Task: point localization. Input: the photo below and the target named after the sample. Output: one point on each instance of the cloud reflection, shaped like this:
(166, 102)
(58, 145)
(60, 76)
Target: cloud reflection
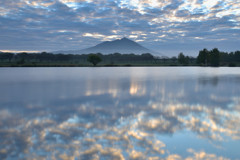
(123, 125)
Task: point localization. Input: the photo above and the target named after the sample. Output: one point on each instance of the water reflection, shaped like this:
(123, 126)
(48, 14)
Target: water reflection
(119, 113)
(212, 81)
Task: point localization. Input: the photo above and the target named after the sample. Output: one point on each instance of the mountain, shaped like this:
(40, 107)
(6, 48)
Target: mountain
(123, 46)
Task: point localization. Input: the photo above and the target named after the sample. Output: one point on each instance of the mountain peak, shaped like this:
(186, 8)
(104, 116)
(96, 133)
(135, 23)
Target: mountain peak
(124, 39)
(123, 46)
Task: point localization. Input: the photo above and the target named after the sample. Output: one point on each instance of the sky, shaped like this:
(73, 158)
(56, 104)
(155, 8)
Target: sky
(166, 26)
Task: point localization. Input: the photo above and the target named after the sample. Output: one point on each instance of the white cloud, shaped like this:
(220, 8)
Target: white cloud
(89, 20)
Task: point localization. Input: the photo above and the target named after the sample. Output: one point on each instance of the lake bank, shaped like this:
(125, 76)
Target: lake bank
(109, 65)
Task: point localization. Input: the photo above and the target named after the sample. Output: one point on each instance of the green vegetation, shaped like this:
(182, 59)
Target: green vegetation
(94, 59)
(215, 57)
(183, 60)
(211, 58)
(205, 57)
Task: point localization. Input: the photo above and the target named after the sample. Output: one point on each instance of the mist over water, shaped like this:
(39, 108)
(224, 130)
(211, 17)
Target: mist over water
(120, 113)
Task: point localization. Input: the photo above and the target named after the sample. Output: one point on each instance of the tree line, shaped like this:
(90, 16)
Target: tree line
(215, 57)
(84, 59)
(212, 57)
(205, 57)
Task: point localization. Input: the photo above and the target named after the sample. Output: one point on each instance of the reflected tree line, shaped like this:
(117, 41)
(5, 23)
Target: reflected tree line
(205, 57)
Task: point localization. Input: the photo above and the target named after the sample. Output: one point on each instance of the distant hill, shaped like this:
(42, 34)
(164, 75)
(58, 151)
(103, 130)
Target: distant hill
(123, 46)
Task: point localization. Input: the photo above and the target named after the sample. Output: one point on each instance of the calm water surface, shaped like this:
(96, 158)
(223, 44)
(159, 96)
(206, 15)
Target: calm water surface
(120, 113)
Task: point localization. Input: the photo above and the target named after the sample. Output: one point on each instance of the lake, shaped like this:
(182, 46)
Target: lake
(120, 113)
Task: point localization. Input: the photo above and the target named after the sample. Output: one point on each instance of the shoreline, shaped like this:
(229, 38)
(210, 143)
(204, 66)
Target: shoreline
(120, 65)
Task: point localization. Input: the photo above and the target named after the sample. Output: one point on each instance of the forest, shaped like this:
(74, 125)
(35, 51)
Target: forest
(205, 57)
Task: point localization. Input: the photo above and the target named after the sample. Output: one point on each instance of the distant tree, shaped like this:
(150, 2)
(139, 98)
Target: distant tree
(21, 61)
(181, 58)
(94, 59)
(22, 57)
(187, 59)
(174, 59)
(237, 56)
(62, 57)
(203, 57)
(146, 57)
(224, 58)
(46, 57)
(214, 57)
(6, 56)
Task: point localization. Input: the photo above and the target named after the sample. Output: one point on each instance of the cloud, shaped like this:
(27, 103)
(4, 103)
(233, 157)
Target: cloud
(122, 117)
(28, 25)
